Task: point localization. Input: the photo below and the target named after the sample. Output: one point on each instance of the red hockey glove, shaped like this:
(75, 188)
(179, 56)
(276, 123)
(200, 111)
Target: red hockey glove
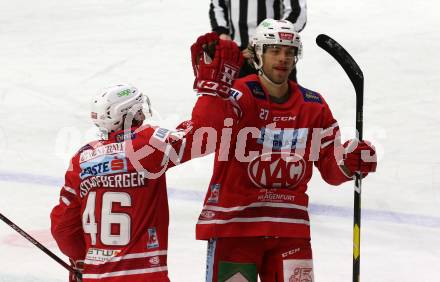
(215, 68)
(205, 44)
(360, 156)
(79, 266)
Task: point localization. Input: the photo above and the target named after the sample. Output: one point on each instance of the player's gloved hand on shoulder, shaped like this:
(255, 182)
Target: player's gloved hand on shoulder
(216, 64)
(79, 266)
(359, 156)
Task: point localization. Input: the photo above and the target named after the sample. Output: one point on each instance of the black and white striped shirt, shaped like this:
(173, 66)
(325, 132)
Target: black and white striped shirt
(239, 18)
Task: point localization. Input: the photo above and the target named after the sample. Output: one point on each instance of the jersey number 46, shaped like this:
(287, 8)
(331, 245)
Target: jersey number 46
(108, 218)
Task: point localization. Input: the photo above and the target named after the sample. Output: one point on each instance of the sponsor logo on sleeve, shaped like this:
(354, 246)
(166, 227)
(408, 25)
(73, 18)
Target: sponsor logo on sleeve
(235, 94)
(161, 134)
(153, 241)
(214, 193)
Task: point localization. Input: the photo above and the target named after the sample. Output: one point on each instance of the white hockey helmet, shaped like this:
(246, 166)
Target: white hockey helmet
(112, 104)
(274, 32)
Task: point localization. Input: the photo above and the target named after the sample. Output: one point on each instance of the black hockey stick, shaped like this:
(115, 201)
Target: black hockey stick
(356, 76)
(41, 247)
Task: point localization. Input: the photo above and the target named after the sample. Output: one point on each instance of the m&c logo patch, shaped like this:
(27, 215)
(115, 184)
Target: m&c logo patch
(277, 170)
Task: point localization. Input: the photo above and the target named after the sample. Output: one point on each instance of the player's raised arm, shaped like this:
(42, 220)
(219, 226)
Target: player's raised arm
(216, 64)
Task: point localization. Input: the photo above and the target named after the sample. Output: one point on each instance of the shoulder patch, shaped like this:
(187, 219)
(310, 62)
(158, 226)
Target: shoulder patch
(310, 96)
(161, 134)
(235, 94)
(256, 89)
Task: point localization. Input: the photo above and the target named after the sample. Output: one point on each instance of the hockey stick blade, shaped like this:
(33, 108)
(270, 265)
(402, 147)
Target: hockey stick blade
(349, 65)
(352, 70)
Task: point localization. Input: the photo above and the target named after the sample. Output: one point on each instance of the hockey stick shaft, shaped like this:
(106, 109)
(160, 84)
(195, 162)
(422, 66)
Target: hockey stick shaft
(356, 76)
(40, 246)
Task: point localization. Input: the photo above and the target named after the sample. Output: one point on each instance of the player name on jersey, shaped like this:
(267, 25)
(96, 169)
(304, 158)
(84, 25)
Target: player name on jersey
(123, 180)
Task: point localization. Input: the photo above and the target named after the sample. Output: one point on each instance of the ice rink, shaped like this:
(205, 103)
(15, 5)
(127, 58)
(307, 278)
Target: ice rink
(54, 55)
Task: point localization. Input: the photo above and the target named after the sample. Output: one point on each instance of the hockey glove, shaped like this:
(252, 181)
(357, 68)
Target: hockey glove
(79, 266)
(215, 69)
(360, 156)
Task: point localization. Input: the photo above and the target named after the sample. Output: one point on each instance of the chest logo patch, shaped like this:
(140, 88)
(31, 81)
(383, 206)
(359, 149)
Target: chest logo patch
(277, 170)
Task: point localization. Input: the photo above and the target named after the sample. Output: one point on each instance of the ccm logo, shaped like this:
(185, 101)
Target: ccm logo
(291, 252)
(284, 118)
(213, 86)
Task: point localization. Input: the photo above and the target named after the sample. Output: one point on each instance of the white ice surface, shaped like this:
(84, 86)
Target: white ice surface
(55, 54)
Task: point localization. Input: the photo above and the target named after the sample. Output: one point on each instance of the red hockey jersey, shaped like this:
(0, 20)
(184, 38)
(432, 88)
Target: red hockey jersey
(113, 209)
(264, 159)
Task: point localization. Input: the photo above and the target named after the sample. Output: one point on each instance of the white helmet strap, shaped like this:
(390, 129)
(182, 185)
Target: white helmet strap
(264, 76)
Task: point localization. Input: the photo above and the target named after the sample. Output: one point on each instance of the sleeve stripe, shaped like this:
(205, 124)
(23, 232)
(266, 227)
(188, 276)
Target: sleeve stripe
(330, 128)
(327, 144)
(65, 200)
(70, 190)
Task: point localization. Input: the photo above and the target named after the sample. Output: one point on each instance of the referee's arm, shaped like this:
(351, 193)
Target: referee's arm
(295, 11)
(219, 16)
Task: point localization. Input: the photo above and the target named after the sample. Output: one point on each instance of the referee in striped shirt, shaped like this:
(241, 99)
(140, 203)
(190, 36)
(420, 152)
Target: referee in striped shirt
(237, 20)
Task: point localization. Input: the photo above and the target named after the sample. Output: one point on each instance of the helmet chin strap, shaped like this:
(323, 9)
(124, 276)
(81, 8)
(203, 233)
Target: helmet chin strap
(259, 67)
(263, 75)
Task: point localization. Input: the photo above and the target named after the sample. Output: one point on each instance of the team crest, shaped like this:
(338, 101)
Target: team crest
(277, 170)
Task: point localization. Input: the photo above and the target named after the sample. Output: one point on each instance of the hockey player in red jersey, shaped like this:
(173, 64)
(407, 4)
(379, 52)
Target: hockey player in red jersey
(112, 217)
(270, 134)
